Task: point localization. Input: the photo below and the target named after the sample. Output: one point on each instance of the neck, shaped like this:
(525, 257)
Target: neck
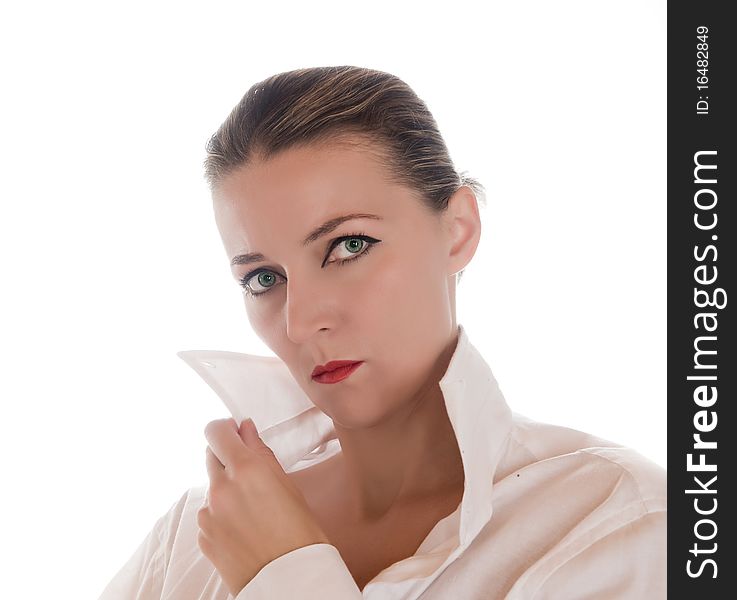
(410, 457)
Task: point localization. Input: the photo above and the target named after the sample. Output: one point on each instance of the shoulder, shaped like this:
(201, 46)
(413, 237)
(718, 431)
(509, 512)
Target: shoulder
(538, 446)
(184, 563)
(172, 520)
(648, 479)
(179, 524)
(601, 506)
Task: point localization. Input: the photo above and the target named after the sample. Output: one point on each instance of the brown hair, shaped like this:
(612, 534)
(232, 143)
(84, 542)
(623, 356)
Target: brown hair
(343, 103)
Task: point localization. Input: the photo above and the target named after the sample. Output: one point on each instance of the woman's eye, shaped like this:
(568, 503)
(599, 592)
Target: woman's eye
(349, 249)
(259, 282)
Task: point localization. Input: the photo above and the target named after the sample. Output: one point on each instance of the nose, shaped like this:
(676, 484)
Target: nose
(308, 309)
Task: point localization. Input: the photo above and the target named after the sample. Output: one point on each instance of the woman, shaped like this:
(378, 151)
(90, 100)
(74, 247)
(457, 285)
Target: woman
(392, 467)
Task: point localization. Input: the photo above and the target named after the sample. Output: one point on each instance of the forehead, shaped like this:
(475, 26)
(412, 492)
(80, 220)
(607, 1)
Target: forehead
(304, 174)
(302, 187)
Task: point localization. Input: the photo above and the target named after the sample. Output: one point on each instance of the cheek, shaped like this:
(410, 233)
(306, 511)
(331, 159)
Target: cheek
(413, 273)
(381, 287)
(403, 291)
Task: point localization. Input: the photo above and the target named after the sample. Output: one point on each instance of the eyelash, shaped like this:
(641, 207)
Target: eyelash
(371, 242)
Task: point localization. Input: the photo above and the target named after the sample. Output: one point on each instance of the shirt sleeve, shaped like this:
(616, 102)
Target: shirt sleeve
(142, 576)
(628, 563)
(315, 572)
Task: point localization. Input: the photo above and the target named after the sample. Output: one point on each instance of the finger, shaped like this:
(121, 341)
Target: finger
(215, 468)
(222, 437)
(250, 436)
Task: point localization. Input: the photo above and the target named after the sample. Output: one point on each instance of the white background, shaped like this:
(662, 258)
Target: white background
(111, 261)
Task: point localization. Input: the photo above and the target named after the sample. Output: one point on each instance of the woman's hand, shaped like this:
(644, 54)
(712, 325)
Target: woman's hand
(253, 513)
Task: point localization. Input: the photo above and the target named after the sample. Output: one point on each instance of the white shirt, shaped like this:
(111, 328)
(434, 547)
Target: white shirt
(547, 512)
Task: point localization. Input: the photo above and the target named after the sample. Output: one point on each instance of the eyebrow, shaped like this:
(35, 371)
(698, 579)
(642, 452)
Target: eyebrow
(315, 234)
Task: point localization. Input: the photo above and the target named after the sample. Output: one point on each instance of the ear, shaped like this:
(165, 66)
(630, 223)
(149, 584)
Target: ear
(463, 227)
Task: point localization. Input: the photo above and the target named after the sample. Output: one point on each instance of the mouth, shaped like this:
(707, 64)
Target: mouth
(335, 371)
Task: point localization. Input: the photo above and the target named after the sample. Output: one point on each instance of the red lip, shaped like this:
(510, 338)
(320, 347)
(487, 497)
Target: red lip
(331, 366)
(335, 371)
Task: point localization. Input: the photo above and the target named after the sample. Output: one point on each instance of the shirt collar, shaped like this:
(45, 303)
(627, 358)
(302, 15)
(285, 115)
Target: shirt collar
(262, 388)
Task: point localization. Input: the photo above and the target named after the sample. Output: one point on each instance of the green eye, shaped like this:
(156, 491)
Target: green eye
(266, 278)
(356, 245)
(261, 279)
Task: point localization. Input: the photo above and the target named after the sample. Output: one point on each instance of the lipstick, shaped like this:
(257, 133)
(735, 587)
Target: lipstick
(335, 371)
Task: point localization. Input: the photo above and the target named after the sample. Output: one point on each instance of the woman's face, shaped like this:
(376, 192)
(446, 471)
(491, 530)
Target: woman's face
(389, 304)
